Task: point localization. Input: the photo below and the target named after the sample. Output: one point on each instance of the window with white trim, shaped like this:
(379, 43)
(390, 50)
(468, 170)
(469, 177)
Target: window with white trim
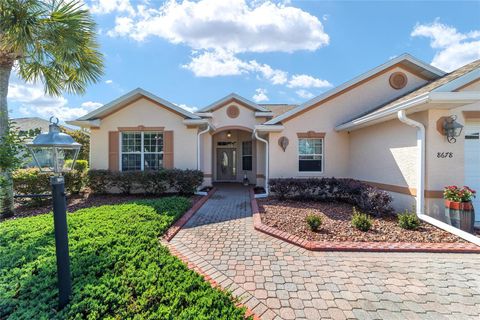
(310, 154)
(141, 151)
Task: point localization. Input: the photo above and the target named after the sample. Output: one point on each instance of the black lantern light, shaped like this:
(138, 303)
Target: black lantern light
(57, 152)
(452, 129)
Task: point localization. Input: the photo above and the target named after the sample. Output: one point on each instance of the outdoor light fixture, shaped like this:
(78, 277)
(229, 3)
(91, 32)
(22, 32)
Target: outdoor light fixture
(229, 134)
(50, 151)
(452, 129)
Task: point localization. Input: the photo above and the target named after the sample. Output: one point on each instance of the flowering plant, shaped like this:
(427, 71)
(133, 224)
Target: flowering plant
(456, 194)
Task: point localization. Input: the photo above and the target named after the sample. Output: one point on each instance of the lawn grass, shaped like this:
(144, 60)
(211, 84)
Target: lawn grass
(119, 268)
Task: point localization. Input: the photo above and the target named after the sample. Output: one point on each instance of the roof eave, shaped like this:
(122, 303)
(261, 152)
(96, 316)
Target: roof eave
(355, 80)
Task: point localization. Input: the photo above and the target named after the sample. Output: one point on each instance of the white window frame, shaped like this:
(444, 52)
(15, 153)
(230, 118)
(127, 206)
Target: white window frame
(142, 150)
(322, 156)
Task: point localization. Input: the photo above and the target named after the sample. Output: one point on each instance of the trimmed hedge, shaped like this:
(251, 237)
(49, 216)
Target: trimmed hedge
(365, 197)
(119, 268)
(32, 181)
(148, 182)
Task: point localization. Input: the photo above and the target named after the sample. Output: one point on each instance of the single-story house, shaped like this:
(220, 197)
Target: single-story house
(385, 127)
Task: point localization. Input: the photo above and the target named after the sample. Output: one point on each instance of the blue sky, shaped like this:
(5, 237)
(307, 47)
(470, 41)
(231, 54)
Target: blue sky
(195, 52)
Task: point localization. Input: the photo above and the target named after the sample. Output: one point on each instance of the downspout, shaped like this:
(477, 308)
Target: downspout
(198, 144)
(420, 199)
(255, 133)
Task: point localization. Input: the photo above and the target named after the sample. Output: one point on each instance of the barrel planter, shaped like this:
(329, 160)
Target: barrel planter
(461, 214)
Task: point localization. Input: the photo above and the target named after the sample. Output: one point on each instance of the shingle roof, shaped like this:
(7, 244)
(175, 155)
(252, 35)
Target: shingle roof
(422, 90)
(26, 124)
(278, 109)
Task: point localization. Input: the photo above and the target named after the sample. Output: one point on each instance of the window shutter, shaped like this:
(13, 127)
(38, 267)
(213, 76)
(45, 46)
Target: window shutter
(113, 145)
(168, 149)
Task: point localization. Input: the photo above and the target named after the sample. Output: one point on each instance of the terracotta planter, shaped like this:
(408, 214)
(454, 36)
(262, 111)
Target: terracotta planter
(460, 214)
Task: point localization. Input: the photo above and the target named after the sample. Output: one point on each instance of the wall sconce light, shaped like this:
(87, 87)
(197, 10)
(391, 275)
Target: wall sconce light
(229, 134)
(283, 143)
(452, 129)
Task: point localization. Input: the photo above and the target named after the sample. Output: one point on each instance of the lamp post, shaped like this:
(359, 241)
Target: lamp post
(50, 150)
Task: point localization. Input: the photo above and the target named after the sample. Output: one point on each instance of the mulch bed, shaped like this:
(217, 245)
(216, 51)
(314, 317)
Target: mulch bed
(80, 201)
(289, 216)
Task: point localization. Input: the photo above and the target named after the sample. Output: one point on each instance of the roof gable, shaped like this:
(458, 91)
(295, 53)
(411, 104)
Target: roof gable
(405, 61)
(450, 82)
(233, 97)
(131, 97)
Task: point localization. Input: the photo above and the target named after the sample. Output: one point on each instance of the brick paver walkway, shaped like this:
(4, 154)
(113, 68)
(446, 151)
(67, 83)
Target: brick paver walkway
(282, 281)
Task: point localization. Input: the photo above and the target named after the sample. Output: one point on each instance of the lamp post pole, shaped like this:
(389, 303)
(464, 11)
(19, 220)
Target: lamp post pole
(52, 149)
(61, 240)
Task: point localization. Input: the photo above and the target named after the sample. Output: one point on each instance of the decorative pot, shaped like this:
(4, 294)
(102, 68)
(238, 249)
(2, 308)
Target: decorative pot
(461, 214)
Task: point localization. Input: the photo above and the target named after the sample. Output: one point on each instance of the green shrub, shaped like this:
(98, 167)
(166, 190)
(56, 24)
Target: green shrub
(124, 181)
(149, 182)
(408, 220)
(361, 221)
(32, 181)
(314, 221)
(119, 268)
(98, 181)
(359, 194)
(80, 165)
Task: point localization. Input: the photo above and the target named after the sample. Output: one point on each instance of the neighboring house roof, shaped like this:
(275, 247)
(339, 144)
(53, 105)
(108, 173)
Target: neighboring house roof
(279, 109)
(406, 61)
(130, 97)
(32, 123)
(232, 97)
(467, 73)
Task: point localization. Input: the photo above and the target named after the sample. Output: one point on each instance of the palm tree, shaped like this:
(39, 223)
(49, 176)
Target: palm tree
(52, 41)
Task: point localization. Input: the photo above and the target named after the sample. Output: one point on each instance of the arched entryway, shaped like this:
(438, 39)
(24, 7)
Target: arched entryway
(234, 155)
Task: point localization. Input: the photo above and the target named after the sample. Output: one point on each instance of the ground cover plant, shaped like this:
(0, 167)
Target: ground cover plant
(119, 268)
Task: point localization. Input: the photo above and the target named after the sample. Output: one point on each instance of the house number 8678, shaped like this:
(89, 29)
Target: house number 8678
(444, 155)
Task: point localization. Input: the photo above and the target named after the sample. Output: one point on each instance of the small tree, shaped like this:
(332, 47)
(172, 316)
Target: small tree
(83, 138)
(12, 155)
(52, 41)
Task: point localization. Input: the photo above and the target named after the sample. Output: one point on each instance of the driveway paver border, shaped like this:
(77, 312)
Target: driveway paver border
(356, 246)
(173, 230)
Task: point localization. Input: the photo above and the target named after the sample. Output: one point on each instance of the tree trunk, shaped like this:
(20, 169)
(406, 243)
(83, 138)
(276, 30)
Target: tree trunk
(6, 183)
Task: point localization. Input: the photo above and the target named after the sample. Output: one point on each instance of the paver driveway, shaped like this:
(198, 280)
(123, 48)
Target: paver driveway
(279, 280)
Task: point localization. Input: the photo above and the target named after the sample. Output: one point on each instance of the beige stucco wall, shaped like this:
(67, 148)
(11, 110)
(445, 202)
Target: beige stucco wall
(146, 113)
(445, 171)
(384, 153)
(324, 118)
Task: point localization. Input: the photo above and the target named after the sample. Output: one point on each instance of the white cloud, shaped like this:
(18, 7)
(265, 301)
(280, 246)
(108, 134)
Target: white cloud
(233, 25)
(260, 95)
(216, 63)
(306, 81)
(91, 105)
(33, 101)
(223, 63)
(304, 94)
(188, 108)
(453, 48)
(109, 6)
(109, 81)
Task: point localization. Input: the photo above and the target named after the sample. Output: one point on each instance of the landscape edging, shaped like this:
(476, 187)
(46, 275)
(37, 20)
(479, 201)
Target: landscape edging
(357, 246)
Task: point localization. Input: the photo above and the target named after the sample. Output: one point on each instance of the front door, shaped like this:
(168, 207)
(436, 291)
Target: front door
(472, 164)
(226, 164)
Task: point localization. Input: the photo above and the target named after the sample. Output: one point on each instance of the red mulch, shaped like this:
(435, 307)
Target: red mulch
(289, 216)
(80, 201)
